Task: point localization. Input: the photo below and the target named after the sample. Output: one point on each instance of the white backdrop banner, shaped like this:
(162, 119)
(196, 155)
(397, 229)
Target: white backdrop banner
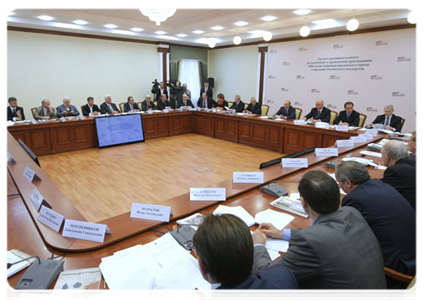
(371, 70)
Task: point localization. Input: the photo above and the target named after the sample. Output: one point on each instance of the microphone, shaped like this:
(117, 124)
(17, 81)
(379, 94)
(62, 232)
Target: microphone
(17, 262)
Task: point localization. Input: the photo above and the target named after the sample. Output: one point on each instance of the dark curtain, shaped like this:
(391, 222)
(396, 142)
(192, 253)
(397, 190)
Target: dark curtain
(174, 70)
(203, 72)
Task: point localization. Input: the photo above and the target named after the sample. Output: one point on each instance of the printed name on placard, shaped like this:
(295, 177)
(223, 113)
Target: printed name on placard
(248, 177)
(207, 194)
(151, 212)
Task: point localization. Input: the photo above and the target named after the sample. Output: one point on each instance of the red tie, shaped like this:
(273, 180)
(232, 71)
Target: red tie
(205, 103)
(148, 105)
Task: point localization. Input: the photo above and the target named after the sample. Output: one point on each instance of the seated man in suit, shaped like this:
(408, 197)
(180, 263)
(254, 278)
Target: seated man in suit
(225, 254)
(90, 109)
(389, 215)
(205, 102)
(186, 91)
(107, 107)
(66, 109)
(185, 102)
(159, 90)
(14, 112)
(412, 144)
(389, 120)
(286, 111)
(401, 170)
(238, 105)
(45, 111)
(221, 102)
(130, 105)
(206, 89)
(348, 116)
(254, 107)
(147, 103)
(318, 113)
(163, 102)
(338, 250)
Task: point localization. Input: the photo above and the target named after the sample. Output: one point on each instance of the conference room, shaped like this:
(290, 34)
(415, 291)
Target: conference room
(139, 139)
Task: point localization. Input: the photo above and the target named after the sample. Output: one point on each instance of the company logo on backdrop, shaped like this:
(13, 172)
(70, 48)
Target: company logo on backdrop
(403, 58)
(300, 77)
(352, 92)
(285, 63)
(338, 46)
(333, 77)
(371, 109)
(331, 106)
(381, 43)
(273, 51)
(397, 94)
(271, 77)
(284, 89)
(376, 77)
(301, 49)
(298, 103)
(315, 91)
(269, 101)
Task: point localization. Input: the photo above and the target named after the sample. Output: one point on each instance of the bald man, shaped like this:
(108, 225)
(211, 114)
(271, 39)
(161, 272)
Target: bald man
(318, 113)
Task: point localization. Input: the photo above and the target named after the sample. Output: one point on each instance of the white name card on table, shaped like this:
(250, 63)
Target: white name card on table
(299, 122)
(373, 132)
(323, 125)
(207, 194)
(358, 139)
(326, 152)
(366, 136)
(344, 143)
(50, 218)
(294, 162)
(37, 200)
(33, 121)
(248, 177)
(85, 230)
(341, 127)
(151, 212)
(30, 174)
(10, 159)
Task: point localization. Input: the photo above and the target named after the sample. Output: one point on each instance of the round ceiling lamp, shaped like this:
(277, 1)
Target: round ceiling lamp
(237, 40)
(158, 15)
(267, 36)
(412, 18)
(352, 24)
(305, 31)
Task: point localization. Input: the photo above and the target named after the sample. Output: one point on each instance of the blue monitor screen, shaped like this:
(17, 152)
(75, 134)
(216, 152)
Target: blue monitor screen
(119, 130)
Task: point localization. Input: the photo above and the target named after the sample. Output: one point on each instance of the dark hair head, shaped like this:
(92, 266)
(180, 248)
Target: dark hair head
(129, 97)
(225, 246)
(11, 99)
(320, 191)
(353, 171)
(348, 103)
(90, 98)
(221, 96)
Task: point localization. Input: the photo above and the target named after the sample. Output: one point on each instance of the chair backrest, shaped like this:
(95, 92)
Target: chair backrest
(121, 106)
(230, 103)
(363, 118)
(333, 115)
(402, 123)
(298, 112)
(397, 275)
(139, 105)
(81, 108)
(155, 102)
(264, 109)
(246, 105)
(33, 112)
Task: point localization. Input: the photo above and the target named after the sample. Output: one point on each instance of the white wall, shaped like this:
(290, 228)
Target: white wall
(42, 66)
(235, 72)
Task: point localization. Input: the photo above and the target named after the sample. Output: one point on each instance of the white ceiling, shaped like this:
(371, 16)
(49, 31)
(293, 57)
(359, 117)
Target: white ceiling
(185, 21)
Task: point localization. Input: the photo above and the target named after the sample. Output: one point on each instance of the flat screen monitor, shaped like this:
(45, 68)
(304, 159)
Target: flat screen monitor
(30, 153)
(119, 130)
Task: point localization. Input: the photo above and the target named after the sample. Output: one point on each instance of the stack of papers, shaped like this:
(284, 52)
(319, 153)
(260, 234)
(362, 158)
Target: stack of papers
(290, 204)
(14, 256)
(79, 279)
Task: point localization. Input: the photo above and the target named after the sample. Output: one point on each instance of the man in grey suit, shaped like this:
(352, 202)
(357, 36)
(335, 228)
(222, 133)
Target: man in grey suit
(45, 111)
(338, 251)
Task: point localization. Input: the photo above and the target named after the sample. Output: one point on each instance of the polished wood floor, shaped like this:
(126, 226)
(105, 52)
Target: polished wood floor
(102, 183)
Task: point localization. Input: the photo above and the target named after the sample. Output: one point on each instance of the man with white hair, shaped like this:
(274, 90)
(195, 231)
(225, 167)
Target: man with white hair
(185, 102)
(108, 107)
(147, 103)
(401, 171)
(318, 113)
(66, 109)
(238, 105)
(254, 107)
(389, 120)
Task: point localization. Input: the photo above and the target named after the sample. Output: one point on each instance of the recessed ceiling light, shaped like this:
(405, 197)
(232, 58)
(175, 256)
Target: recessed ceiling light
(66, 25)
(324, 21)
(218, 28)
(198, 31)
(168, 37)
(111, 26)
(181, 35)
(241, 23)
(268, 18)
(45, 18)
(125, 32)
(80, 22)
(302, 12)
(12, 13)
(160, 32)
(137, 29)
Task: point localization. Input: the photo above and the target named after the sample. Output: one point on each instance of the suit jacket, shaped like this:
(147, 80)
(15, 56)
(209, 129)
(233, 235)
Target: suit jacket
(60, 109)
(339, 251)
(157, 92)
(256, 109)
(162, 105)
(144, 105)
(353, 120)
(392, 220)
(395, 121)
(127, 108)
(209, 92)
(188, 93)
(39, 113)
(289, 115)
(402, 177)
(324, 116)
(104, 108)
(86, 109)
(181, 103)
(210, 103)
(275, 277)
(240, 107)
(11, 115)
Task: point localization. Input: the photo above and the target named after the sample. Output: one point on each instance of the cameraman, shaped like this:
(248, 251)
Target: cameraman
(158, 89)
(176, 92)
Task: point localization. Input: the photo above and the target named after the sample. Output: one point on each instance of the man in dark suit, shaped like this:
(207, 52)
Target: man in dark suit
(338, 251)
(163, 102)
(225, 253)
(90, 109)
(348, 116)
(389, 215)
(389, 120)
(185, 102)
(130, 105)
(206, 89)
(238, 105)
(205, 102)
(401, 171)
(14, 112)
(108, 107)
(318, 113)
(147, 103)
(254, 107)
(159, 90)
(286, 111)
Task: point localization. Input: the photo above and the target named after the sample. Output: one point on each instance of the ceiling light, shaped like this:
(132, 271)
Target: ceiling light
(80, 22)
(125, 32)
(181, 35)
(212, 43)
(66, 25)
(45, 18)
(241, 23)
(304, 31)
(324, 21)
(237, 40)
(302, 12)
(168, 37)
(160, 32)
(137, 29)
(412, 18)
(198, 31)
(218, 28)
(12, 13)
(268, 18)
(352, 24)
(111, 26)
(267, 36)
(158, 15)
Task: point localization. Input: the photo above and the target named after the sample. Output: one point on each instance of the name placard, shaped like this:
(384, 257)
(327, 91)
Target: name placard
(85, 230)
(323, 125)
(358, 139)
(33, 121)
(10, 159)
(37, 200)
(372, 132)
(294, 162)
(326, 152)
(299, 122)
(344, 143)
(151, 212)
(30, 174)
(207, 194)
(248, 177)
(341, 127)
(50, 218)
(62, 119)
(366, 136)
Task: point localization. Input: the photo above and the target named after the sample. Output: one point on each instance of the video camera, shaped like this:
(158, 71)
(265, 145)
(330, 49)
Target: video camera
(171, 83)
(155, 82)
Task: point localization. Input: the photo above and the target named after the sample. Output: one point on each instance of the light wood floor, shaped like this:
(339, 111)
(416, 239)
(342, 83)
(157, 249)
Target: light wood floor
(102, 183)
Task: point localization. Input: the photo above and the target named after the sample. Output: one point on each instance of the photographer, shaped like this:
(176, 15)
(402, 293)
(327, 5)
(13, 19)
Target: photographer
(176, 92)
(158, 89)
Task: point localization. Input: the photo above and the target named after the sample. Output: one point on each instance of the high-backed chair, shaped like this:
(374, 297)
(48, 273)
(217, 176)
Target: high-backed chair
(402, 123)
(264, 109)
(298, 112)
(81, 109)
(363, 118)
(121, 106)
(155, 103)
(333, 115)
(230, 103)
(246, 105)
(33, 112)
(398, 276)
(139, 105)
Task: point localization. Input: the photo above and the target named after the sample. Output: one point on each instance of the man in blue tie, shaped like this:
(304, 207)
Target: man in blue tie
(348, 116)
(389, 120)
